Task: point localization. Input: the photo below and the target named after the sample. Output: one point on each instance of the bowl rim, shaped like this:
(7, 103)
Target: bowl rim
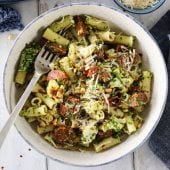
(140, 11)
(114, 9)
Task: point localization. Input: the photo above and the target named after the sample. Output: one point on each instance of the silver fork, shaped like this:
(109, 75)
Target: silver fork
(41, 65)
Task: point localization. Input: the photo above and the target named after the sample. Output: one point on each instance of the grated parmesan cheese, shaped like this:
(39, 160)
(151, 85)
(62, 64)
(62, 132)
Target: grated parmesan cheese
(139, 4)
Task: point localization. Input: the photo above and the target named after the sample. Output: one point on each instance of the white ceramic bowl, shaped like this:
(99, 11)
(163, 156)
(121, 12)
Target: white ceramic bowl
(152, 59)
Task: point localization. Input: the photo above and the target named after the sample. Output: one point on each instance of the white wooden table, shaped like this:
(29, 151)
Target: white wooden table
(16, 154)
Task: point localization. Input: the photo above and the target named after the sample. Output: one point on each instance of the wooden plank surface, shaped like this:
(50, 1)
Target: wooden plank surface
(28, 10)
(15, 146)
(124, 163)
(16, 154)
(146, 160)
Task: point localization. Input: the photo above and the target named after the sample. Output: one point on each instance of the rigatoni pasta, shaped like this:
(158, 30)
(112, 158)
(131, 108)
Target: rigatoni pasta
(96, 90)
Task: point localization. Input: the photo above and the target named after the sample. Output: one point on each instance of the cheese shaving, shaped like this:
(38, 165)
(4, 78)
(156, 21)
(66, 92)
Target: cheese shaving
(139, 4)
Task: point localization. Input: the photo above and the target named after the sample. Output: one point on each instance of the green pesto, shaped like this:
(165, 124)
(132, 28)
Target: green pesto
(27, 59)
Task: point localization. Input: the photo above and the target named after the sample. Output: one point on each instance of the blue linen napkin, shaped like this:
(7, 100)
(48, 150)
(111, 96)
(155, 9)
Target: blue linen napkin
(9, 19)
(160, 139)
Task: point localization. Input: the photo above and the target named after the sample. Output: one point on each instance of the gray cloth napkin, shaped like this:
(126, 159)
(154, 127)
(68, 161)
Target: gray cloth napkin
(160, 139)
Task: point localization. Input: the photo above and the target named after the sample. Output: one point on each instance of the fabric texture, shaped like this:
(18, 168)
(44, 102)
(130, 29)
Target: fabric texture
(9, 19)
(160, 139)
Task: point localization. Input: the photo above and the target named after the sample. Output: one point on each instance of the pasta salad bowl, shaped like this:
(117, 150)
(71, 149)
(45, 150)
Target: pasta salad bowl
(128, 29)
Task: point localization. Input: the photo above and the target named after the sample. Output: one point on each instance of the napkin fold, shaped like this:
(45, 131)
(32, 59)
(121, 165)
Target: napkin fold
(160, 139)
(9, 19)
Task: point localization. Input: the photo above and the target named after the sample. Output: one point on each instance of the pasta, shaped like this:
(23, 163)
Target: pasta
(96, 90)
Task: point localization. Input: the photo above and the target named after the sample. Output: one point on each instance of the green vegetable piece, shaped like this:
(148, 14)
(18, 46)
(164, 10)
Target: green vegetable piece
(97, 23)
(27, 58)
(106, 143)
(130, 125)
(125, 40)
(116, 112)
(89, 132)
(123, 80)
(113, 123)
(94, 109)
(63, 24)
(54, 37)
(146, 83)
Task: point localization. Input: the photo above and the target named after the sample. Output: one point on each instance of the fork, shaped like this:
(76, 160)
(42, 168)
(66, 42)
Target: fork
(44, 58)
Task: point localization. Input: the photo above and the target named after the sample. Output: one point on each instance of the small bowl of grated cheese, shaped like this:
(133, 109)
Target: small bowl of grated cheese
(140, 6)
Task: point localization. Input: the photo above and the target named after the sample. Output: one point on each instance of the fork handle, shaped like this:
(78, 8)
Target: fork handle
(17, 108)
